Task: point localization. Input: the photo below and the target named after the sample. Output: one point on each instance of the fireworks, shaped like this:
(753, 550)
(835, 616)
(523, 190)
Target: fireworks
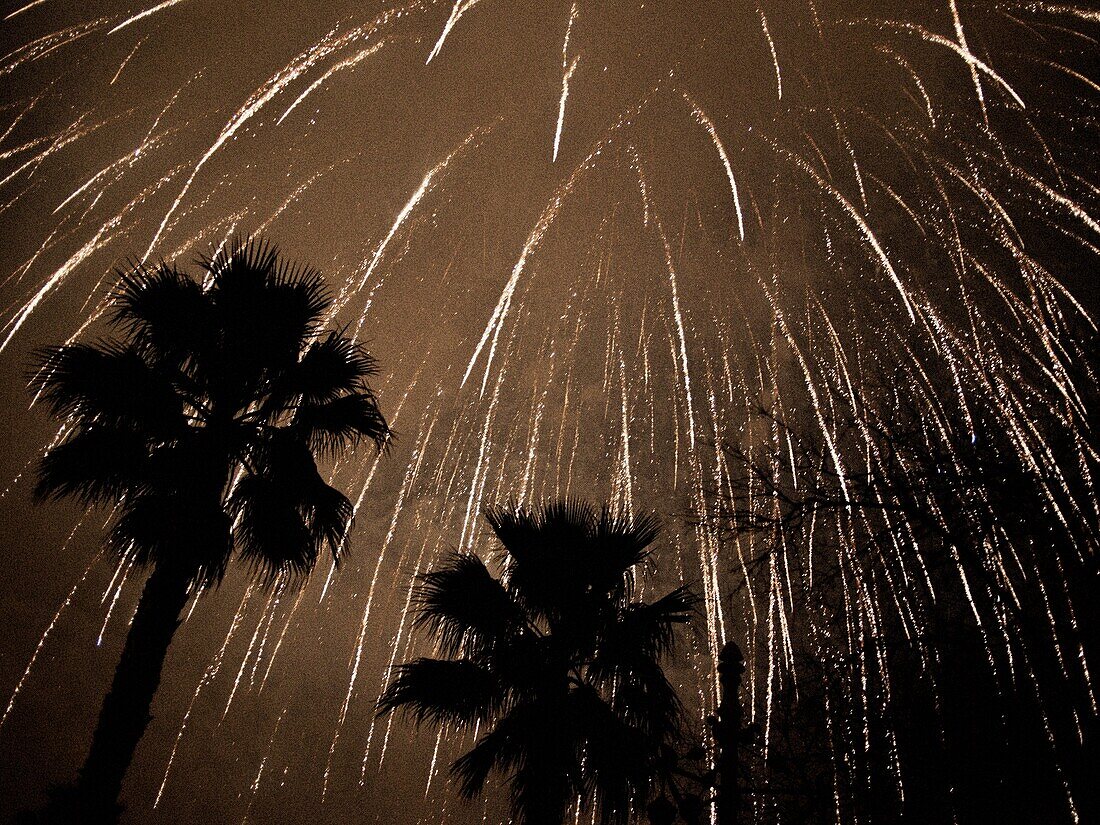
(586, 242)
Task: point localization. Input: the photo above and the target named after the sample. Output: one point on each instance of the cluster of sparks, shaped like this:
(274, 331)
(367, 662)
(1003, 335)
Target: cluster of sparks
(624, 344)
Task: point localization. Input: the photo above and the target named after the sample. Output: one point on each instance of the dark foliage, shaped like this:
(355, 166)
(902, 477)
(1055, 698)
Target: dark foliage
(200, 422)
(556, 657)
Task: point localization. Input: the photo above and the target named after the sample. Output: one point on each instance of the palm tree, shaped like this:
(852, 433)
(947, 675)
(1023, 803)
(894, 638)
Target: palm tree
(201, 422)
(554, 658)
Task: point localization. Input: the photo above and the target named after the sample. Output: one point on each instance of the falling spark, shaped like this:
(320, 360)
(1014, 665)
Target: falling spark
(42, 641)
(568, 67)
(708, 124)
(620, 365)
(460, 8)
(775, 57)
(159, 7)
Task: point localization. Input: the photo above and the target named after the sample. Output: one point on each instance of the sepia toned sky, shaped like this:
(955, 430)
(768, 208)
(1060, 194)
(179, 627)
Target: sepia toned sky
(582, 239)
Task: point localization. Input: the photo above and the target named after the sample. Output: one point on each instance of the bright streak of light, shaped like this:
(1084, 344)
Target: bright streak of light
(705, 121)
(159, 7)
(460, 8)
(42, 640)
(568, 67)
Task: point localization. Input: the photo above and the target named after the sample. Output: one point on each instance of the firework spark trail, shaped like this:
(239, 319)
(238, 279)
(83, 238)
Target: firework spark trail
(389, 669)
(496, 321)
(43, 46)
(568, 67)
(473, 501)
(124, 163)
(460, 8)
(864, 228)
(98, 241)
(75, 131)
(27, 7)
(643, 187)
(955, 180)
(278, 83)
(625, 480)
(293, 197)
(23, 147)
(26, 110)
(207, 678)
(45, 636)
(347, 63)
(810, 386)
(282, 635)
(775, 56)
(967, 56)
(272, 612)
(126, 566)
(681, 337)
(432, 770)
(534, 431)
(126, 60)
(707, 550)
(972, 62)
(255, 786)
(1058, 198)
(704, 120)
(159, 7)
(367, 481)
(426, 185)
(410, 475)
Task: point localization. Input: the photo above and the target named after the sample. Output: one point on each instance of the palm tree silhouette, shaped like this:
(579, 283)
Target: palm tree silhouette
(201, 421)
(555, 658)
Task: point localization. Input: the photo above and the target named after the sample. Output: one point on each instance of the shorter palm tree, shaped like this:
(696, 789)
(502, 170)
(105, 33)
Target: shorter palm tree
(554, 658)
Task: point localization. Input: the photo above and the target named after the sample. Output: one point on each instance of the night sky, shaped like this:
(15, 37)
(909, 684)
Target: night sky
(586, 243)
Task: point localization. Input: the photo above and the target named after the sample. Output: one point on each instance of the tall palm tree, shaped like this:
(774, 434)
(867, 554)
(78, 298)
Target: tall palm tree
(201, 421)
(554, 659)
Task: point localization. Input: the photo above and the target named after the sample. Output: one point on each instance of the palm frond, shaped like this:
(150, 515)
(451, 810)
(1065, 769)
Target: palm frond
(271, 534)
(530, 745)
(555, 527)
(328, 515)
(546, 564)
(284, 512)
(334, 365)
(641, 695)
(252, 282)
(163, 313)
(464, 606)
(242, 254)
(457, 692)
(266, 312)
(335, 425)
(647, 629)
(567, 559)
(331, 367)
(96, 465)
(110, 385)
(188, 532)
(493, 750)
(617, 758)
(618, 543)
(627, 661)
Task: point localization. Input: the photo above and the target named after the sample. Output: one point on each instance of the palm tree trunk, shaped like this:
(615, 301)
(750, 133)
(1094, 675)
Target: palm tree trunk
(125, 713)
(731, 666)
